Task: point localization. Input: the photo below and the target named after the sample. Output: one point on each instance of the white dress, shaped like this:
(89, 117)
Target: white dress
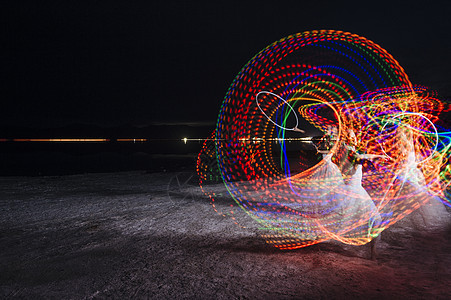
(328, 183)
(359, 211)
(321, 192)
(432, 212)
(411, 174)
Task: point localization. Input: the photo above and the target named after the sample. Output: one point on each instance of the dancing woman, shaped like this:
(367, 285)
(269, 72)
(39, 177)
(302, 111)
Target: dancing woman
(327, 180)
(359, 207)
(413, 184)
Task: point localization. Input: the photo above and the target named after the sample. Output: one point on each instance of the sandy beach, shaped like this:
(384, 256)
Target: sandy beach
(141, 235)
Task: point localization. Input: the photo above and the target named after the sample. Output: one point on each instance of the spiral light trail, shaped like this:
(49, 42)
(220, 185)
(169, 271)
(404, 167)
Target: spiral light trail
(329, 79)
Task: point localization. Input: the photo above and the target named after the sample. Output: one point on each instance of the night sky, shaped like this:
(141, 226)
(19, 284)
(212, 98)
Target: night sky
(111, 63)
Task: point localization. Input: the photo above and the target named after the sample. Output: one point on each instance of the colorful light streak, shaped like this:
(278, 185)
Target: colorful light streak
(333, 79)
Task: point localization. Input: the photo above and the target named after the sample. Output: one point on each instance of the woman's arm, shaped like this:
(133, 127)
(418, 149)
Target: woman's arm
(320, 151)
(369, 156)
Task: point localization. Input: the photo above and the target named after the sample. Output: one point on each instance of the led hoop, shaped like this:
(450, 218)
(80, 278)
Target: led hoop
(295, 128)
(416, 114)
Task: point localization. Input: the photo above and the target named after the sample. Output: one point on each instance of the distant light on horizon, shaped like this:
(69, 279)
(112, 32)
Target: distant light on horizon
(143, 140)
(132, 140)
(61, 140)
(79, 140)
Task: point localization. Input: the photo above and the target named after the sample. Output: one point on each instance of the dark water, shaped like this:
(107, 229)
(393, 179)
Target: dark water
(44, 158)
(62, 158)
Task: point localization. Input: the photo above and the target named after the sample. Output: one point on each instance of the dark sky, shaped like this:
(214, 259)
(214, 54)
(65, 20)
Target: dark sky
(143, 62)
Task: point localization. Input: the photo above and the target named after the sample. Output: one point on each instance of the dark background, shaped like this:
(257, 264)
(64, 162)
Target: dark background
(160, 69)
(115, 63)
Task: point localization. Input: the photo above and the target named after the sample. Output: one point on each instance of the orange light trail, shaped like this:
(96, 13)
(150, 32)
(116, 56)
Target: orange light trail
(333, 79)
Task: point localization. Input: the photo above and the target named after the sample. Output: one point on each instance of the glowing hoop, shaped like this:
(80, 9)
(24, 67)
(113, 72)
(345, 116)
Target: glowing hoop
(427, 119)
(295, 128)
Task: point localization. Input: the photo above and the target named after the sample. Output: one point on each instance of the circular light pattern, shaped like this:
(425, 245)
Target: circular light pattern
(381, 152)
(282, 116)
(396, 120)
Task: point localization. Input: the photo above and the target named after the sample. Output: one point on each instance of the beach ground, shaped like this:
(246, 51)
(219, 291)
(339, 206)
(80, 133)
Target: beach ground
(137, 235)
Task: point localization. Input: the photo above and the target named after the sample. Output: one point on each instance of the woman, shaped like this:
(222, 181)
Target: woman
(326, 181)
(413, 186)
(359, 209)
